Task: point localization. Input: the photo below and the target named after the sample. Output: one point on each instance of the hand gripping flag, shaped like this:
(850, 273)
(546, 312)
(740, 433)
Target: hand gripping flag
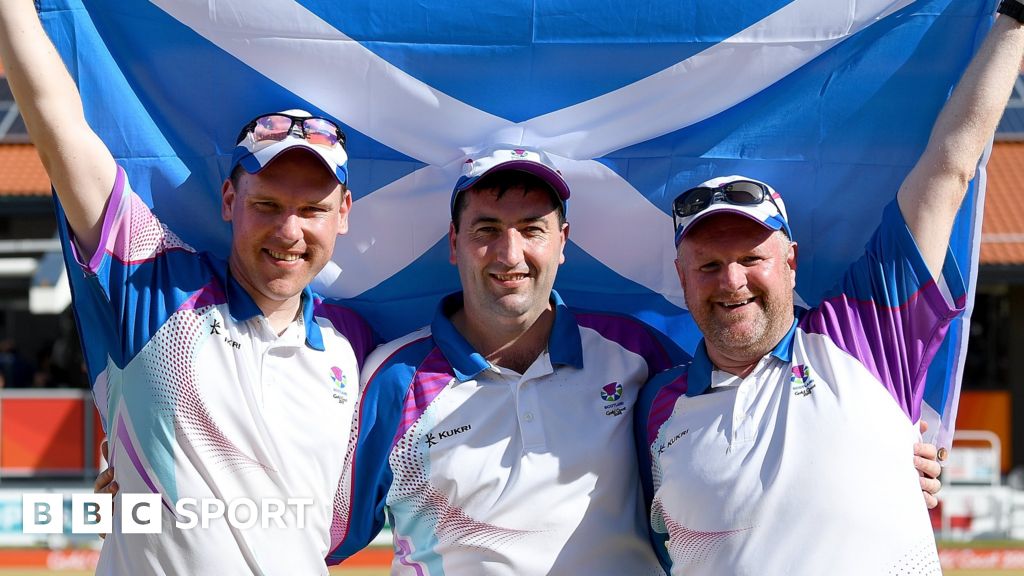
(831, 101)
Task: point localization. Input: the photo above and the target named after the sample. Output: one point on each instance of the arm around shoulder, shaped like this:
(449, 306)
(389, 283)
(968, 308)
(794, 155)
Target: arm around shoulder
(933, 191)
(79, 165)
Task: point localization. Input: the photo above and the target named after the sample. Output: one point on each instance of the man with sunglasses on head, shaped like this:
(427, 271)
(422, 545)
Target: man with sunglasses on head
(500, 439)
(223, 381)
(783, 447)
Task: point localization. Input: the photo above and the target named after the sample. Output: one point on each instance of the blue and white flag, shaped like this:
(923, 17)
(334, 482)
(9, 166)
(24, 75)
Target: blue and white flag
(831, 101)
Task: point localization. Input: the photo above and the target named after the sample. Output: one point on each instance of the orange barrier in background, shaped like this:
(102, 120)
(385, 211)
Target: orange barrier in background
(56, 560)
(988, 410)
(373, 557)
(380, 557)
(977, 559)
(43, 432)
(48, 433)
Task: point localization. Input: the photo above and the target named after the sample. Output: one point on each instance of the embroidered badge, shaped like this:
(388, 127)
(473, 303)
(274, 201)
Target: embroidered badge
(612, 393)
(340, 383)
(801, 381)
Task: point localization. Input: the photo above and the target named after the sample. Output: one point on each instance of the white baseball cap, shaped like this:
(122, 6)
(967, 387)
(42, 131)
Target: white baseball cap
(501, 157)
(734, 194)
(267, 136)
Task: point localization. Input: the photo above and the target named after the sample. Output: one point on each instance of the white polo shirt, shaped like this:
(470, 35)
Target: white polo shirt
(487, 471)
(806, 465)
(201, 399)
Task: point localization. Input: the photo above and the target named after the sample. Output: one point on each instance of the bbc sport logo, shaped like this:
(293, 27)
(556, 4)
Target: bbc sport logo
(43, 513)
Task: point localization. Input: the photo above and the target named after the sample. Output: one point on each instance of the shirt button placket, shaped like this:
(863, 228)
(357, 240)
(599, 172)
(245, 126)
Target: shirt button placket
(739, 411)
(531, 429)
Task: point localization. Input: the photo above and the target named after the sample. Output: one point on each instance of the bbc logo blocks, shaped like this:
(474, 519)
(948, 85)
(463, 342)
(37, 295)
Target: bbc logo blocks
(43, 513)
(90, 513)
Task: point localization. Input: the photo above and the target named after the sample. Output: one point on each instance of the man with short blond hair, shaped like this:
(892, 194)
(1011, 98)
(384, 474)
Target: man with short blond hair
(221, 380)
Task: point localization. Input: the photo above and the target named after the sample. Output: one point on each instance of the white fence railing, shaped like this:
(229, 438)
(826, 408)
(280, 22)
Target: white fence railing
(973, 502)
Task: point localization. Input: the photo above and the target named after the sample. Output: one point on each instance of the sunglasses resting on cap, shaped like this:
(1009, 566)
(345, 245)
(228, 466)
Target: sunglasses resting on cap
(751, 198)
(265, 137)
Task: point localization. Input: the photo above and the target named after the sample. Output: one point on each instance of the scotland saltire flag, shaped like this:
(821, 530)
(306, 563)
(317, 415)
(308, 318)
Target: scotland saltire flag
(830, 101)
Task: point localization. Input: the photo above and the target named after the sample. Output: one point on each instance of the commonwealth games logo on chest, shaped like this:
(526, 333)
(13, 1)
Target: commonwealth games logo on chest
(340, 382)
(801, 381)
(611, 392)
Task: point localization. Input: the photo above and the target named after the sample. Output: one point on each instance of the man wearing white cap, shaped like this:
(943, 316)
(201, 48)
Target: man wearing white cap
(500, 437)
(223, 380)
(783, 448)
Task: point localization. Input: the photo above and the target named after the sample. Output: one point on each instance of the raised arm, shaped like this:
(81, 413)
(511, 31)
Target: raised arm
(79, 165)
(931, 195)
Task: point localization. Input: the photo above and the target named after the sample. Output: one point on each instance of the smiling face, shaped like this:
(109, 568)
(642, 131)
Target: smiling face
(284, 220)
(738, 279)
(507, 248)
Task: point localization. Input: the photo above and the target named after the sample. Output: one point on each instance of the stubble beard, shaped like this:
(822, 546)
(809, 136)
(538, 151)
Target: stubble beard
(751, 339)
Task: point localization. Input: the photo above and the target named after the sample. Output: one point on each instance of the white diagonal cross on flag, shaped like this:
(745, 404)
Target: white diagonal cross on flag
(397, 223)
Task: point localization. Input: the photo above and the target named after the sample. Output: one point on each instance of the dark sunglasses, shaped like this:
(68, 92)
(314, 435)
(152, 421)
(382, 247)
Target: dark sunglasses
(277, 127)
(738, 193)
